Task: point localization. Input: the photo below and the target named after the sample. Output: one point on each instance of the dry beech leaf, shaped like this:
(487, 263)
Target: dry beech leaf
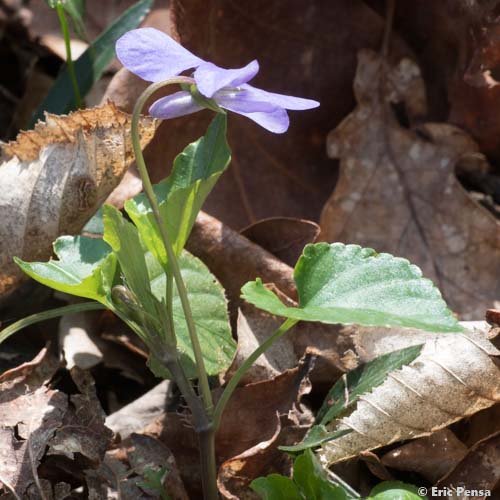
(398, 193)
(455, 376)
(56, 178)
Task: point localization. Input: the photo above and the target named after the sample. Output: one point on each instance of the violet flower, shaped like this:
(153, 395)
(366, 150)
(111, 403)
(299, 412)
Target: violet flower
(154, 56)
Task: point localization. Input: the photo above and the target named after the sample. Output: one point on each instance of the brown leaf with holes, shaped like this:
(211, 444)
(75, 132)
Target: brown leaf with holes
(30, 413)
(398, 193)
(56, 176)
(126, 466)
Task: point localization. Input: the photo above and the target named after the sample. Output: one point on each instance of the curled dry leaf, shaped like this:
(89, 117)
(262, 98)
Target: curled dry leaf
(479, 469)
(431, 456)
(455, 376)
(56, 176)
(398, 193)
(235, 260)
(142, 411)
(284, 237)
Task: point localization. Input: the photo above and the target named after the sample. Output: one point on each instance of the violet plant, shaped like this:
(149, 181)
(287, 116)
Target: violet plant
(141, 272)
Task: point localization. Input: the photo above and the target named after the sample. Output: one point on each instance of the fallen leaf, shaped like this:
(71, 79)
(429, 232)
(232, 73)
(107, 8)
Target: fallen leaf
(82, 430)
(328, 342)
(284, 237)
(270, 175)
(398, 193)
(125, 468)
(30, 414)
(142, 411)
(479, 469)
(57, 176)
(235, 260)
(259, 406)
(432, 456)
(455, 376)
(236, 473)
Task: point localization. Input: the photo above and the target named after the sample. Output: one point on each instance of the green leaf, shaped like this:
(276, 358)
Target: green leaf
(76, 11)
(44, 315)
(395, 490)
(86, 268)
(316, 436)
(95, 226)
(90, 66)
(209, 307)
(312, 481)
(123, 238)
(346, 392)
(276, 487)
(181, 195)
(347, 284)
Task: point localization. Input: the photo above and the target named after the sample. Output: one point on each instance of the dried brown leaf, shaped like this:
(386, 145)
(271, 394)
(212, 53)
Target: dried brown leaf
(398, 193)
(30, 413)
(330, 344)
(272, 175)
(479, 469)
(284, 237)
(456, 375)
(57, 177)
(123, 471)
(432, 456)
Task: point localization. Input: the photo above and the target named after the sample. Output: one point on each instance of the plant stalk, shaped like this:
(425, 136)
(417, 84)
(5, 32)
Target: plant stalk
(202, 411)
(69, 59)
(172, 260)
(233, 383)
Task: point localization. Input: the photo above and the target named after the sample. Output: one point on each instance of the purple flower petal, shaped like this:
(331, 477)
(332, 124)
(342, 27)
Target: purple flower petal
(281, 100)
(276, 121)
(210, 78)
(174, 105)
(241, 101)
(153, 55)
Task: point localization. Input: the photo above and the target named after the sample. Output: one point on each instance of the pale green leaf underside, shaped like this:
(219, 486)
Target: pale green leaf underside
(347, 284)
(209, 307)
(181, 195)
(85, 268)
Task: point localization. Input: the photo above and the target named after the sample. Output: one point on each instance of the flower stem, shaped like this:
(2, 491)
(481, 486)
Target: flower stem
(172, 260)
(69, 59)
(233, 383)
(202, 412)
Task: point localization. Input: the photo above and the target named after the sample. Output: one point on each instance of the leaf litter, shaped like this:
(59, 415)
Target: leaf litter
(218, 243)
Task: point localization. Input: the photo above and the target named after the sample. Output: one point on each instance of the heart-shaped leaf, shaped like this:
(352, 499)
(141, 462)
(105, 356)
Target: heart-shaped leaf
(209, 307)
(346, 284)
(86, 268)
(181, 195)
